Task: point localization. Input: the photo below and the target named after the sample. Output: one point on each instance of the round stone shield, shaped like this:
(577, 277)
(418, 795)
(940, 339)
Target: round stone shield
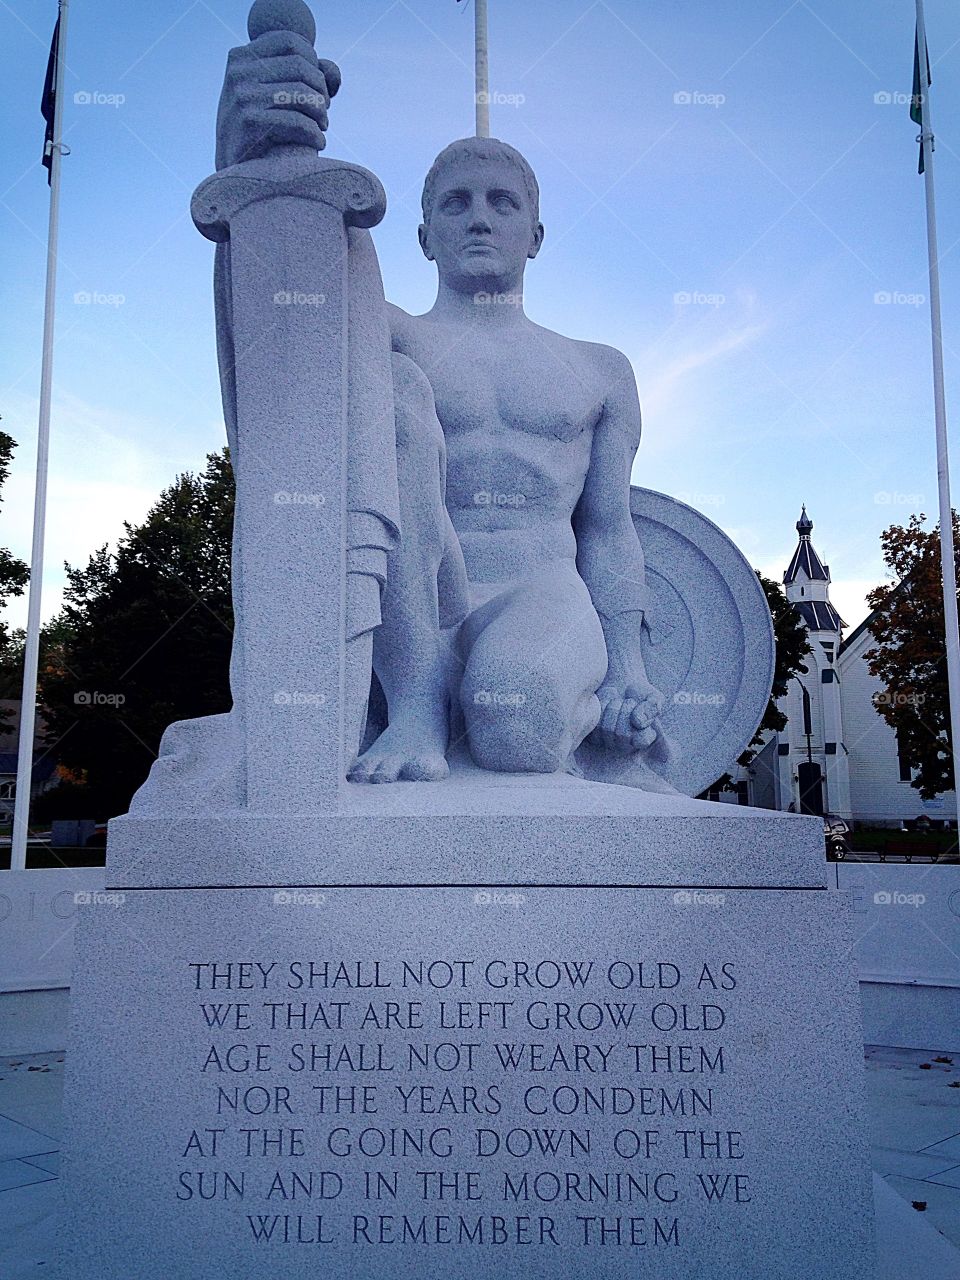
(708, 641)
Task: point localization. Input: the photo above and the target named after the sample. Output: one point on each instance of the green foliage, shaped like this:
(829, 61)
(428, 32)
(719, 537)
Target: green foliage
(143, 639)
(793, 646)
(909, 651)
(14, 575)
(11, 663)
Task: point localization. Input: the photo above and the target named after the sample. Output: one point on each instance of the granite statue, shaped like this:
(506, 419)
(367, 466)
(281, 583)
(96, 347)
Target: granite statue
(494, 587)
(444, 581)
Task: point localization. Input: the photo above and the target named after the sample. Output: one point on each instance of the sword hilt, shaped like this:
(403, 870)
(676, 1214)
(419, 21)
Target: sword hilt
(295, 17)
(281, 15)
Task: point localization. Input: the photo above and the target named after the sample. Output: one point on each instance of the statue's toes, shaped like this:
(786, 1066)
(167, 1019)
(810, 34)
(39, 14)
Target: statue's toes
(388, 770)
(360, 770)
(425, 769)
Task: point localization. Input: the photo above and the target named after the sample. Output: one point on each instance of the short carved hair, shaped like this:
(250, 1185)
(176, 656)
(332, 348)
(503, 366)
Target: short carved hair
(480, 149)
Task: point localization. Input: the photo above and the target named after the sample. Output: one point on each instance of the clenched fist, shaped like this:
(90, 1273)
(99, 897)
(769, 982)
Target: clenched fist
(629, 717)
(275, 93)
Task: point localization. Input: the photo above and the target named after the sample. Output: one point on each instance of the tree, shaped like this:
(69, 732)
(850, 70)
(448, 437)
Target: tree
(909, 651)
(14, 575)
(792, 646)
(143, 639)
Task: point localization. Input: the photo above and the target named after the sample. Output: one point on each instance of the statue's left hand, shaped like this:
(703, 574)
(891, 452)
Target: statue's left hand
(629, 717)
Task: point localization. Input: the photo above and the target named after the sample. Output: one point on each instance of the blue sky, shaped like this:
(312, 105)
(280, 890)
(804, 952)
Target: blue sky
(728, 189)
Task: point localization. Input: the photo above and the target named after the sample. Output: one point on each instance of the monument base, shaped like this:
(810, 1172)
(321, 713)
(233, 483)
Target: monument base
(475, 827)
(467, 1082)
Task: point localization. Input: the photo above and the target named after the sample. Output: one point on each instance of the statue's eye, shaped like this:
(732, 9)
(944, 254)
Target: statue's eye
(454, 204)
(504, 203)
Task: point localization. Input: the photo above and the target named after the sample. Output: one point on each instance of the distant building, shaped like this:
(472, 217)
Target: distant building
(44, 760)
(836, 754)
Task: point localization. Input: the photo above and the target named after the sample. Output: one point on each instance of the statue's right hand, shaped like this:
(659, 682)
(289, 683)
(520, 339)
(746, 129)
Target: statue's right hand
(275, 93)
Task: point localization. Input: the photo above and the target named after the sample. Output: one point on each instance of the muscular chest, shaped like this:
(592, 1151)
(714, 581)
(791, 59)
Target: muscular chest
(524, 390)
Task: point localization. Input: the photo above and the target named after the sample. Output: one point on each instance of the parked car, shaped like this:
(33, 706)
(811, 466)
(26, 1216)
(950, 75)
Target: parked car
(836, 831)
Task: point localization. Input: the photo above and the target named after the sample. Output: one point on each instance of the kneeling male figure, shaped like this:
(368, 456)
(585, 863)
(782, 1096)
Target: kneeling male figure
(513, 603)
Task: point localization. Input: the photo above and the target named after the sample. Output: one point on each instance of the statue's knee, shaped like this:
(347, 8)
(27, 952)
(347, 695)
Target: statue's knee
(515, 713)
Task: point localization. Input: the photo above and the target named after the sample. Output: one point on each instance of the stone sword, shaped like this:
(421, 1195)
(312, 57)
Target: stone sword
(282, 222)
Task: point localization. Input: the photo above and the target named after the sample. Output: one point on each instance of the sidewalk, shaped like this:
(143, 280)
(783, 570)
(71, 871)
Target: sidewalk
(914, 1101)
(914, 1113)
(31, 1106)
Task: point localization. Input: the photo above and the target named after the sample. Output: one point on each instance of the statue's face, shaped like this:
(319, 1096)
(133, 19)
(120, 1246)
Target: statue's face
(481, 229)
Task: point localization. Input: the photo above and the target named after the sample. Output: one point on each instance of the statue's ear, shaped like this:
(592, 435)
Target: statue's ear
(538, 234)
(423, 235)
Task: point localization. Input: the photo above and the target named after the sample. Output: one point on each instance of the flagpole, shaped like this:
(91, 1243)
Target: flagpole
(28, 702)
(482, 45)
(948, 565)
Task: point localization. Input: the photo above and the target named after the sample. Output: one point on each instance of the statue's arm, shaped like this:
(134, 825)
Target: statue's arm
(610, 560)
(609, 555)
(397, 322)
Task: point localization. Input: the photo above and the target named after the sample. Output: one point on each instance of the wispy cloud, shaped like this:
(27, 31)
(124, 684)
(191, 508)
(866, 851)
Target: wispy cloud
(660, 393)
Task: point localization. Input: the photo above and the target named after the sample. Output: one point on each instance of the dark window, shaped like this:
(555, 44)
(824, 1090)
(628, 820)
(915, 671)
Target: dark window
(810, 785)
(906, 773)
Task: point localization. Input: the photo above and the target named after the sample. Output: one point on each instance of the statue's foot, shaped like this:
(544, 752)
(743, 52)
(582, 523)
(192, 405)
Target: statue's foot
(402, 753)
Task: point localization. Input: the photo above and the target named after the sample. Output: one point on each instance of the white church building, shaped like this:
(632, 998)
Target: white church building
(836, 754)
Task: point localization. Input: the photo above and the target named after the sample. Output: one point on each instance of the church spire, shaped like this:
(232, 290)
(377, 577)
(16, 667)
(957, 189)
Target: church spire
(807, 581)
(806, 563)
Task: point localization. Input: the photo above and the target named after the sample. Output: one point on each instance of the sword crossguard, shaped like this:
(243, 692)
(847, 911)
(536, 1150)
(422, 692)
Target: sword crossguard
(281, 15)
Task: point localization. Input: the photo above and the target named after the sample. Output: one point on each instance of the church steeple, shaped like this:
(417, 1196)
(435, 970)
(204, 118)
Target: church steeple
(807, 581)
(805, 560)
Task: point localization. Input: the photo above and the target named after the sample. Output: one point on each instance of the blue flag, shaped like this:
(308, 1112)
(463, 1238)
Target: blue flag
(918, 97)
(48, 101)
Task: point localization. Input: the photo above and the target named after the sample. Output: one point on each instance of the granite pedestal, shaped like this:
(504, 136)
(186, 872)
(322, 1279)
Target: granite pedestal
(655, 1070)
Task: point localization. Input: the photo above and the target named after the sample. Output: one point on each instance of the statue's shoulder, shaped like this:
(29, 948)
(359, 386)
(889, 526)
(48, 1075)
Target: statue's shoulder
(401, 325)
(606, 362)
(609, 360)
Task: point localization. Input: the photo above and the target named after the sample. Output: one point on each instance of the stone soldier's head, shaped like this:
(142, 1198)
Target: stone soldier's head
(481, 215)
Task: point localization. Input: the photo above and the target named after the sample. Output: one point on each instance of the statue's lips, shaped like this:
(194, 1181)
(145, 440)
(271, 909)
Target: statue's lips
(479, 244)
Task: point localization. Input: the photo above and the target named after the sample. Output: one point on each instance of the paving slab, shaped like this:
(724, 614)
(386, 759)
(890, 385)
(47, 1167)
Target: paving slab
(908, 1247)
(949, 1178)
(19, 1140)
(20, 1173)
(31, 1093)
